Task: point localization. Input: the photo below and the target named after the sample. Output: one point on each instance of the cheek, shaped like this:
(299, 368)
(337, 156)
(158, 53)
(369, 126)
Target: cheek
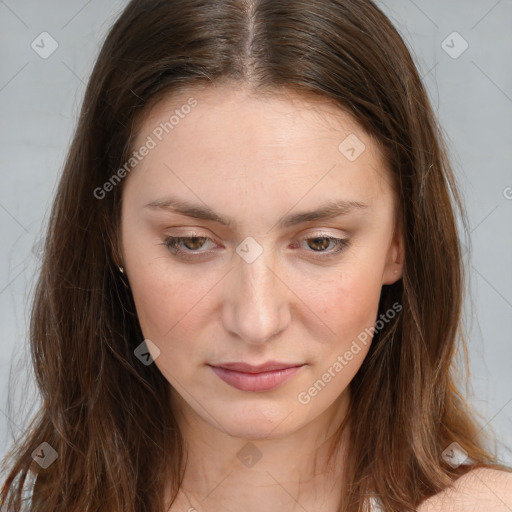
(348, 302)
(165, 308)
(163, 301)
(349, 308)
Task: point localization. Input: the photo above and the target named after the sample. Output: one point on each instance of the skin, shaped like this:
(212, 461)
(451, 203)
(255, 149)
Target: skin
(256, 159)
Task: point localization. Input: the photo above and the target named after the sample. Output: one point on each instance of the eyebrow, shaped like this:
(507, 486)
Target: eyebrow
(331, 209)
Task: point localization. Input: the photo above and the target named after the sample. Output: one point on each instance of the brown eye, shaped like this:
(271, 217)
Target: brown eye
(184, 246)
(321, 244)
(318, 244)
(196, 242)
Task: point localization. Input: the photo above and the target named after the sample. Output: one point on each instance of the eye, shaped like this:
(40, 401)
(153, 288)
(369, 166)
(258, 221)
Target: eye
(188, 247)
(191, 243)
(320, 242)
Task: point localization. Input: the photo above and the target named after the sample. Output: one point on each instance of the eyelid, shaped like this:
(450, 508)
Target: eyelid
(318, 232)
(181, 237)
(315, 233)
(172, 244)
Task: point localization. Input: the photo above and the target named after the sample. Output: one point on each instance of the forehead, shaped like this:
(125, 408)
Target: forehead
(232, 138)
(235, 109)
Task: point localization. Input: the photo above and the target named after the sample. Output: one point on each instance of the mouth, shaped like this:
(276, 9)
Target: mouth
(250, 368)
(264, 377)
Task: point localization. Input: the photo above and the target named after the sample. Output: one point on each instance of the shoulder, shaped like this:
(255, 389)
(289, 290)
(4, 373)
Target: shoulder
(479, 490)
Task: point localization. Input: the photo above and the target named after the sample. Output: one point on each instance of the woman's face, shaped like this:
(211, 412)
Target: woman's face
(228, 264)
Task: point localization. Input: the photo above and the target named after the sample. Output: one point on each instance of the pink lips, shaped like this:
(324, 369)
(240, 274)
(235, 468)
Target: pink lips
(263, 377)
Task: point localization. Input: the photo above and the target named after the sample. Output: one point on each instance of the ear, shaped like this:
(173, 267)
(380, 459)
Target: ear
(395, 257)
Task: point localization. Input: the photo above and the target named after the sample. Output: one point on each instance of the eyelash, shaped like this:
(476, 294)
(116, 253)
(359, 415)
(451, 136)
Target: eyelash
(172, 244)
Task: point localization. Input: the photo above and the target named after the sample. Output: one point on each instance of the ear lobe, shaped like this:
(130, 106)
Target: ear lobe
(395, 260)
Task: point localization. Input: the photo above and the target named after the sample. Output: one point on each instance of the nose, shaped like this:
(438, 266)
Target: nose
(256, 308)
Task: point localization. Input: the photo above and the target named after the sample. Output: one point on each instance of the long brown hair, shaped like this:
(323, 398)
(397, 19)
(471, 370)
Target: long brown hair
(103, 411)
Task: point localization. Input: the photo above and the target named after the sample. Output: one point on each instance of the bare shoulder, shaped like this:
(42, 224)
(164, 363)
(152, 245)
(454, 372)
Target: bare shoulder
(480, 490)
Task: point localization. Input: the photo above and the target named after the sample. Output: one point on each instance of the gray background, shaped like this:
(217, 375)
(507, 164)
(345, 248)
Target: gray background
(472, 95)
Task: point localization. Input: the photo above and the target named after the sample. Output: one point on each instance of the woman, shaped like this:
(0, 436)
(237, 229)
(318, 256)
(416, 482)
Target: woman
(252, 282)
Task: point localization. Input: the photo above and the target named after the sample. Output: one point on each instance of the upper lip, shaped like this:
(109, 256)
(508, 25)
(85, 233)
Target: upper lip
(265, 367)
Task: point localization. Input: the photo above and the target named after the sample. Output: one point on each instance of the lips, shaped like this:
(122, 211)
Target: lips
(269, 366)
(265, 377)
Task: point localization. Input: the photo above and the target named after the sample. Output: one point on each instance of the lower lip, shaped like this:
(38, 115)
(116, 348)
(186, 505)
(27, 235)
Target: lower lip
(264, 381)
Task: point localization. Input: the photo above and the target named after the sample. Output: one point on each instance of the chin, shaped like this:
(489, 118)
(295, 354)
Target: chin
(256, 432)
(256, 421)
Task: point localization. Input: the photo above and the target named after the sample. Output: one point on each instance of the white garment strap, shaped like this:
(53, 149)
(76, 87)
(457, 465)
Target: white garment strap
(375, 505)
